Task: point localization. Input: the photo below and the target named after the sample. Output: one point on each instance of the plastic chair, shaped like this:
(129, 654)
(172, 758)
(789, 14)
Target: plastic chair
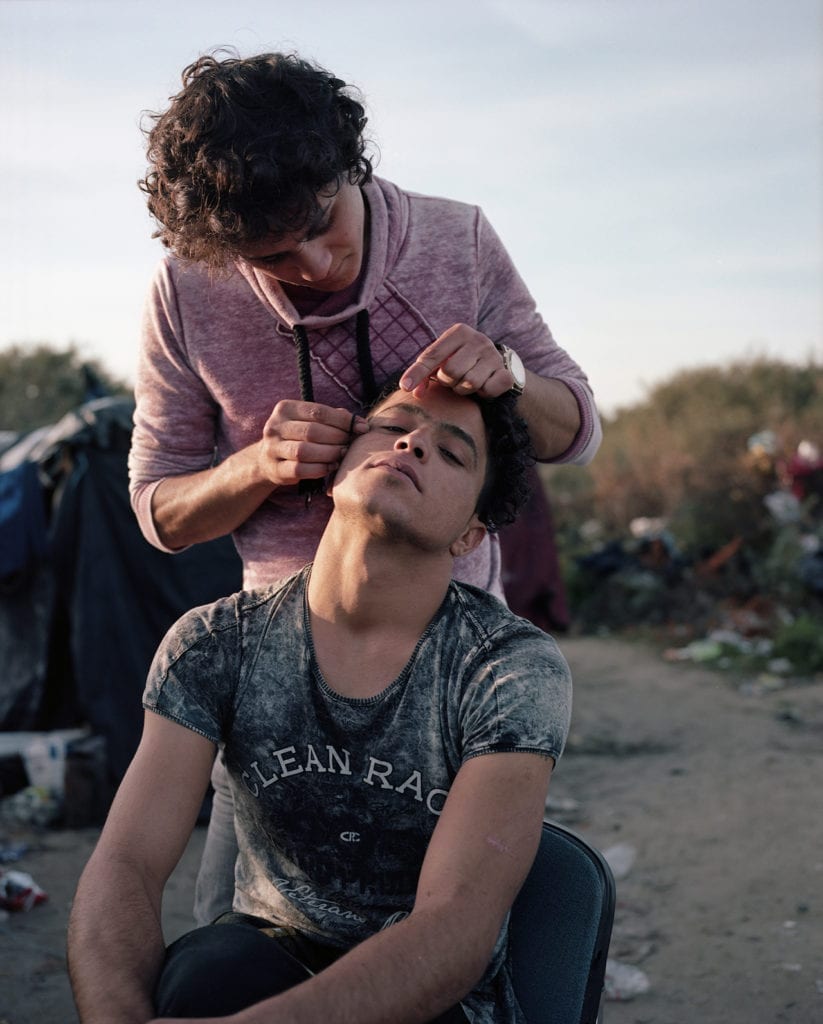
(561, 924)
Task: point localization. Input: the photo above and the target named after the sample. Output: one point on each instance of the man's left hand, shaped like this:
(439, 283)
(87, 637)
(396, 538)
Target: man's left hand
(462, 359)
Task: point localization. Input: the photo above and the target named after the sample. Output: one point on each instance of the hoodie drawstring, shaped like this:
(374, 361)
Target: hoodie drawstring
(364, 362)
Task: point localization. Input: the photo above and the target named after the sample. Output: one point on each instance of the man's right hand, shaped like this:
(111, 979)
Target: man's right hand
(301, 441)
(306, 441)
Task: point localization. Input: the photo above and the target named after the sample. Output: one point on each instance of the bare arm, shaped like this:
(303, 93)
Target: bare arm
(115, 941)
(468, 362)
(481, 851)
(301, 440)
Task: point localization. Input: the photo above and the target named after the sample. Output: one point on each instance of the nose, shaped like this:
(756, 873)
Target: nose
(416, 441)
(313, 261)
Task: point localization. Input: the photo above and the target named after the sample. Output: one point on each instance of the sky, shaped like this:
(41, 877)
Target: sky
(653, 166)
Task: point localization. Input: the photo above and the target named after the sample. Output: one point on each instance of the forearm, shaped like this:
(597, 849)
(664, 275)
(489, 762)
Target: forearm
(407, 974)
(201, 506)
(115, 945)
(552, 414)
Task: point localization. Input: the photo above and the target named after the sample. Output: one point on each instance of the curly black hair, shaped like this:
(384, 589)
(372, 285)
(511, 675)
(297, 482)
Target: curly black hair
(509, 456)
(245, 149)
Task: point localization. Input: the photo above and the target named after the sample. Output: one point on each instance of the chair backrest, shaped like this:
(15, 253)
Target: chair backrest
(561, 925)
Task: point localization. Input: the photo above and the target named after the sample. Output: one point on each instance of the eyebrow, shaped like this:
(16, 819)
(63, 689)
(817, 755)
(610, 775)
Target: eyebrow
(450, 428)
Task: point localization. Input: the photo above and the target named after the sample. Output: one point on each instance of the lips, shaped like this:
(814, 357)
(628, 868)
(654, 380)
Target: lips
(399, 466)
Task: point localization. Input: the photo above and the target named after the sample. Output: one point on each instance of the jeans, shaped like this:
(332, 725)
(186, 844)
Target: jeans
(227, 966)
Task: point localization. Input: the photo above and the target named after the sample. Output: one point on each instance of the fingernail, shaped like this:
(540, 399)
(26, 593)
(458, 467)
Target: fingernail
(406, 383)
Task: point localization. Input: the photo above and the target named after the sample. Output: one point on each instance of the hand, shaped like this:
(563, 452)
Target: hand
(306, 441)
(462, 359)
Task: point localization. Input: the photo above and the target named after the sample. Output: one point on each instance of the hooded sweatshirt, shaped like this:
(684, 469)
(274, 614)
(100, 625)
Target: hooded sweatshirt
(218, 353)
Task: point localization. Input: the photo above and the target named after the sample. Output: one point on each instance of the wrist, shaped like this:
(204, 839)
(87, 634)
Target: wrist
(514, 364)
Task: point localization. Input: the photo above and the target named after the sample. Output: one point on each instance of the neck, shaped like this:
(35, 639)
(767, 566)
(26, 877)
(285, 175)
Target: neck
(362, 583)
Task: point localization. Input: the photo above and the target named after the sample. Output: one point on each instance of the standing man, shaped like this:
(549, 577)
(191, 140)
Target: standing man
(296, 280)
(389, 736)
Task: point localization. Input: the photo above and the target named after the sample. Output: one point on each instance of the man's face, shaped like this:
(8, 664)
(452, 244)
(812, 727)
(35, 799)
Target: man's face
(419, 470)
(327, 255)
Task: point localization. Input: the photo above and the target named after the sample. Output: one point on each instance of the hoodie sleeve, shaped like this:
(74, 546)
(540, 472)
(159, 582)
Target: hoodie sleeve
(175, 416)
(509, 316)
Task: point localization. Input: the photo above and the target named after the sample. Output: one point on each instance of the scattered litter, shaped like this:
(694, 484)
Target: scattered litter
(623, 981)
(620, 858)
(19, 892)
(12, 851)
(784, 506)
(789, 715)
(31, 806)
(763, 442)
(647, 527)
(765, 682)
(697, 650)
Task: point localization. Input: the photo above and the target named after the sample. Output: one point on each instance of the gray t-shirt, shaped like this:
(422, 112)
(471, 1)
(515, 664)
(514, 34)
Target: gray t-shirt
(335, 797)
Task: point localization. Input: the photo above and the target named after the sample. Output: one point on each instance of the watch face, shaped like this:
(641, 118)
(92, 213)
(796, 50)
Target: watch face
(516, 369)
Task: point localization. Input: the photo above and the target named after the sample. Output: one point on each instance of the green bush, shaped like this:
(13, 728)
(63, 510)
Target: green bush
(801, 642)
(40, 384)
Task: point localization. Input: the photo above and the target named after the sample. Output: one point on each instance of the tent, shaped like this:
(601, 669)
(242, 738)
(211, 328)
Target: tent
(84, 599)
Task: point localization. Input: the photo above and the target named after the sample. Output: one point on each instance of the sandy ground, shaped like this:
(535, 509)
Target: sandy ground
(717, 789)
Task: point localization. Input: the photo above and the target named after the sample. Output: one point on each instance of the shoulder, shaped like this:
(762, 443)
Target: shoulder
(173, 276)
(488, 625)
(429, 209)
(228, 621)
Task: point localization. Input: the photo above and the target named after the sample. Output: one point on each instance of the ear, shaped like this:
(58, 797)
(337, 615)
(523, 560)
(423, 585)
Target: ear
(469, 539)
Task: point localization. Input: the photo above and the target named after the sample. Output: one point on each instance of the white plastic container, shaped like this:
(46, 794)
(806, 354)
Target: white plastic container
(44, 756)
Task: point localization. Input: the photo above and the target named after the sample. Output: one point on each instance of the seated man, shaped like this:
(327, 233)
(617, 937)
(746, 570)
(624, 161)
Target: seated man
(389, 736)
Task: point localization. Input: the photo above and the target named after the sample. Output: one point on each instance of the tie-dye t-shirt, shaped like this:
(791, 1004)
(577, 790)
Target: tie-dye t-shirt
(335, 797)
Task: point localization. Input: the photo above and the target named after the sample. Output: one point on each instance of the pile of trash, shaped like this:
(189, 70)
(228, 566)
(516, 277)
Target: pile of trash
(753, 602)
(53, 778)
(47, 779)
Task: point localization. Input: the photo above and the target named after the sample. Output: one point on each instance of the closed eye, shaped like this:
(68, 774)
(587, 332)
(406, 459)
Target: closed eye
(278, 257)
(450, 456)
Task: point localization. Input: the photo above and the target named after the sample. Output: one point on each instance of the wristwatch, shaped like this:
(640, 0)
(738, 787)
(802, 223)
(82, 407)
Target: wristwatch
(514, 364)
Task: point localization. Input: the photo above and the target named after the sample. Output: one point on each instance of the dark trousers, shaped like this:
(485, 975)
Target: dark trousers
(225, 967)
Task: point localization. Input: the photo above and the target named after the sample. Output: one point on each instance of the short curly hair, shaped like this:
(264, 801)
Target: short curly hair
(245, 149)
(509, 456)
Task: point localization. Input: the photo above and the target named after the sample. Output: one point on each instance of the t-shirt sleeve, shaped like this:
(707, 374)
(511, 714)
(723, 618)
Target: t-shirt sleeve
(518, 698)
(194, 674)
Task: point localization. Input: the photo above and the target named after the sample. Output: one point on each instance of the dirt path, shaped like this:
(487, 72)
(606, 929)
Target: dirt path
(717, 791)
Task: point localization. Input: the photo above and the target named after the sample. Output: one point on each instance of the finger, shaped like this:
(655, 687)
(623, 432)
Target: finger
(291, 410)
(318, 433)
(313, 470)
(471, 367)
(430, 359)
(497, 383)
(293, 472)
(463, 366)
(305, 452)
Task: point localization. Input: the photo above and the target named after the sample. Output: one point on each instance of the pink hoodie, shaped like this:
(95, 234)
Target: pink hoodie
(218, 354)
